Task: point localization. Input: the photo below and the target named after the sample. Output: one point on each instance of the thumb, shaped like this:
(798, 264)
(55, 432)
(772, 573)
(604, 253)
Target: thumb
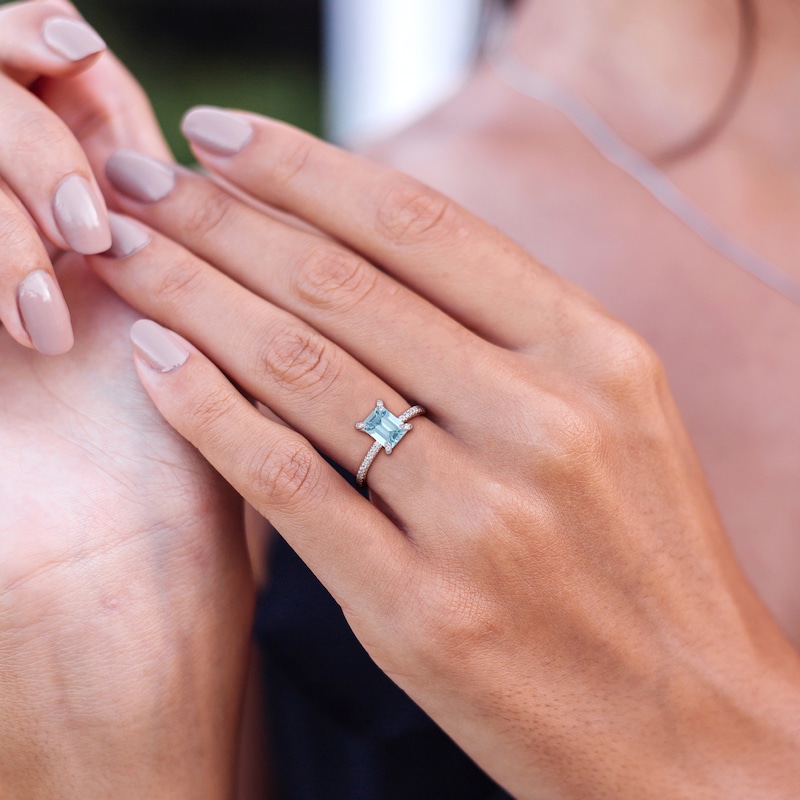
(46, 39)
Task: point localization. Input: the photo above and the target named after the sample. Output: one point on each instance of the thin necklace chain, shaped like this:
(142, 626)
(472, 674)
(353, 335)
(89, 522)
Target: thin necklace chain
(525, 80)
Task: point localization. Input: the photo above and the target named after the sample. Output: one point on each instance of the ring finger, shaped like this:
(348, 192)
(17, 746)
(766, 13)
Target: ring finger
(341, 537)
(315, 386)
(336, 291)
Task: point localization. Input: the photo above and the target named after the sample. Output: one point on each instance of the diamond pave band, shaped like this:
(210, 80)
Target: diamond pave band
(387, 430)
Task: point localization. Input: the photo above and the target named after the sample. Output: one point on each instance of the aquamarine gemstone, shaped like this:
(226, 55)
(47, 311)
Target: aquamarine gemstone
(384, 427)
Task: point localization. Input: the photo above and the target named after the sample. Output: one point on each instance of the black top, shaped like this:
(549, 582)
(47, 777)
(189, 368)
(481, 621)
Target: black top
(340, 729)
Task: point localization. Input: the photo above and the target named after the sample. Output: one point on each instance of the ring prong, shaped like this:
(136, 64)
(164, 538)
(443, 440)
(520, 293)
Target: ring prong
(386, 430)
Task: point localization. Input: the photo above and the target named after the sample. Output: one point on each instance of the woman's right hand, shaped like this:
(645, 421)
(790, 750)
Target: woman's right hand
(543, 569)
(59, 88)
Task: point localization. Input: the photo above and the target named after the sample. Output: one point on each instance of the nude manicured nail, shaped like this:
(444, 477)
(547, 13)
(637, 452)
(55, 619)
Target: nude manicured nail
(127, 237)
(160, 348)
(81, 216)
(216, 130)
(140, 177)
(45, 314)
(72, 39)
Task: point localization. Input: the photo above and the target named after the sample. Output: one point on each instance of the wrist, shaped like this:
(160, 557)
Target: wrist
(734, 722)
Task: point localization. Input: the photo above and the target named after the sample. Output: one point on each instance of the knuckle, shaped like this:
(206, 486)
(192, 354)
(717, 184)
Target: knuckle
(107, 107)
(93, 116)
(300, 359)
(632, 366)
(210, 413)
(292, 158)
(208, 216)
(182, 280)
(411, 213)
(285, 475)
(16, 233)
(331, 277)
(578, 435)
(570, 438)
(41, 132)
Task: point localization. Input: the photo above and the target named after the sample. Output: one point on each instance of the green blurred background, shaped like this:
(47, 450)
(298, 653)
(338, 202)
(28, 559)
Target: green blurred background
(260, 55)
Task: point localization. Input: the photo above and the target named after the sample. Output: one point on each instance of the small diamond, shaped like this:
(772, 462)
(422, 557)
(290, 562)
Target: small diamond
(384, 427)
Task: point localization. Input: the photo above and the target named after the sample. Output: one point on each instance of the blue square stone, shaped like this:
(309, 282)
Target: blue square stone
(384, 427)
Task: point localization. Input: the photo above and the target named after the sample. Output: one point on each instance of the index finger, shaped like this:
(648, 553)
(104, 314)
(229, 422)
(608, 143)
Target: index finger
(429, 242)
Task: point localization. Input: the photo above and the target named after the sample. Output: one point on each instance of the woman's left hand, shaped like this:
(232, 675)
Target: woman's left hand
(66, 104)
(541, 567)
(123, 576)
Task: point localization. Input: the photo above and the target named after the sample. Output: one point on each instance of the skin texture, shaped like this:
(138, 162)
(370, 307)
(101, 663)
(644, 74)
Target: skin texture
(116, 540)
(123, 570)
(728, 344)
(658, 674)
(480, 553)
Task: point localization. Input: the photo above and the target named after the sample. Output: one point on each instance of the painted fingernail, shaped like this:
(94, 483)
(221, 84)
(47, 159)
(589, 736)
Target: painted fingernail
(45, 314)
(140, 177)
(72, 39)
(217, 130)
(81, 216)
(160, 348)
(127, 237)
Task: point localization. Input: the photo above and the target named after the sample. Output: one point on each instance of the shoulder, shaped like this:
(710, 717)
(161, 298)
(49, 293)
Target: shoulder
(498, 154)
(523, 168)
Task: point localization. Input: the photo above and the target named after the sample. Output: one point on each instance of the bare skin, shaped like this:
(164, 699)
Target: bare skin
(542, 568)
(108, 661)
(604, 647)
(123, 569)
(728, 343)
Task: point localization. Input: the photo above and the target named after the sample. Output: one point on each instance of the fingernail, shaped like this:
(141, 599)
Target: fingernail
(214, 129)
(140, 177)
(127, 237)
(45, 314)
(160, 348)
(81, 216)
(71, 38)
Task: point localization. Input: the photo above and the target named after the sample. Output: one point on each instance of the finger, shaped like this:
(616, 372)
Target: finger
(106, 109)
(335, 531)
(334, 290)
(47, 38)
(410, 230)
(48, 171)
(315, 386)
(32, 307)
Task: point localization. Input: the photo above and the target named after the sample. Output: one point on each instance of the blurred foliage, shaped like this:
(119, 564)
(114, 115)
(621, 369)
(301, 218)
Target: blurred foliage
(262, 57)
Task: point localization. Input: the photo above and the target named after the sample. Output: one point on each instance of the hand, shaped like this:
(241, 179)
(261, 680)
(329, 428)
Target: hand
(125, 589)
(541, 567)
(123, 576)
(49, 196)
